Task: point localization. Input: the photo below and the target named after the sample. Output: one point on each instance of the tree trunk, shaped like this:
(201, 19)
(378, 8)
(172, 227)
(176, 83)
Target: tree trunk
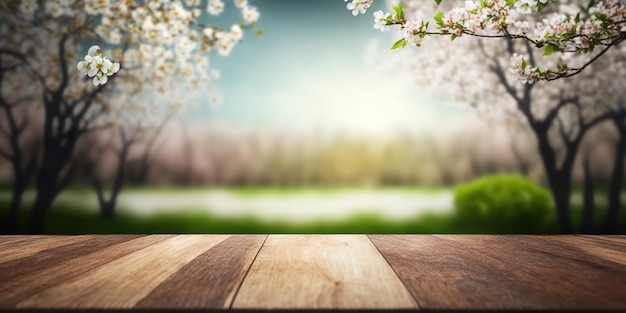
(562, 192)
(107, 210)
(22, 177)
(107, 206)
(588, 200)
(45, 196)
(61, 130)
(19, 186)
(54, 159)
(10, 226)
(617, 180)
(559, 179)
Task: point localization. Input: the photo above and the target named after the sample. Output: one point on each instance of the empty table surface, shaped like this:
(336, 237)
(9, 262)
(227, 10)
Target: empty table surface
(312, 272)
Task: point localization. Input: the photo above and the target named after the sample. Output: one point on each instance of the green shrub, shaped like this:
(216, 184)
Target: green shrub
(508, 203)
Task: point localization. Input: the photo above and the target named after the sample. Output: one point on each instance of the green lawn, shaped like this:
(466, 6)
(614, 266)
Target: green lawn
(72, 219)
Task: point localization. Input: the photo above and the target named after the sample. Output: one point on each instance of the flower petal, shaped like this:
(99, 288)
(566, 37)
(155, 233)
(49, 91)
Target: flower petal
(106, 65)
(94, 51)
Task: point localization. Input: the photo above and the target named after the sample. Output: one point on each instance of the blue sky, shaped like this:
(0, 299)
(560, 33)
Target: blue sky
(308, 73)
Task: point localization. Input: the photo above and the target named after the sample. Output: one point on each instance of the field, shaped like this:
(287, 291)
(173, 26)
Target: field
(275, 210)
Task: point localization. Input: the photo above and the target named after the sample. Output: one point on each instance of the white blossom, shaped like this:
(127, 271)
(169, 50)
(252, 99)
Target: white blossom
(28, 6)
(215, 7)
(380, 20)
(413, 32)
(250, 14)
(569, 29)
(359, 6)
(96, 65)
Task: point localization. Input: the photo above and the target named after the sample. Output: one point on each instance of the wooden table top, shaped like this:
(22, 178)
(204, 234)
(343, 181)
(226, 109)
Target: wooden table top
(311, 272)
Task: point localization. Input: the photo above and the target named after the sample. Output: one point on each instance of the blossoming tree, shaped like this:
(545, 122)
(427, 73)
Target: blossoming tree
(592, 29)
(565, 41)
(17, 132)
(158, 44)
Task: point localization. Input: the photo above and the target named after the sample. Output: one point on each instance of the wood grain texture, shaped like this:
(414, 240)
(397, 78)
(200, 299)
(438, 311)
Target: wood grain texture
(614, 238)
(504, 272)
(45, 258)
(312, 272)
(125, 281)
(567, 272)
(321, 271)
(617, 243)
(210, 280)
(600, 248)
(8, 239)
(17, 288)
(19, 248)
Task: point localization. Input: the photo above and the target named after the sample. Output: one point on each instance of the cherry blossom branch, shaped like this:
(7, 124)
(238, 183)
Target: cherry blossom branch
(492, 19)
(595, 58)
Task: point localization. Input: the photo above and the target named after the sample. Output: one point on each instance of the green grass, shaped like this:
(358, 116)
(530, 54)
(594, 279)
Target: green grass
(73, 220)
(5, 186)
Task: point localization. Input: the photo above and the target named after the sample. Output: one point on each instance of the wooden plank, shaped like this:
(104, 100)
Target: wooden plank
(502, 272)
(587, 253)
(615, 238)
(561, 270)
(210, 280)
(124, 282)
(606, 254)
(321, 271)
(21, 240)
(28, 247)
(46, 258)
(15, 289)
(601, 248)
(613, 242)
(8, 239)
(443, 275)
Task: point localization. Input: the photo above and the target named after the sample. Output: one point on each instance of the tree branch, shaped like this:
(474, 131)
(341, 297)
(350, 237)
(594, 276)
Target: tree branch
(16, 54)
(23, 58)
(553, 113)
(496, 68)
(595, 58)
(63, 64)
(598, 119)
(564, 136)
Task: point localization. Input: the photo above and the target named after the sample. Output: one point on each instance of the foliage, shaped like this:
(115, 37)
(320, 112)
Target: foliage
(570, 29)
(559, 115)
(75, 219)
(163, 51)
(508, 201)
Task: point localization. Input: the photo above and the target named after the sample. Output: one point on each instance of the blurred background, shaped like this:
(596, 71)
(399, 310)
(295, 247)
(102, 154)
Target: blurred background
(304, 129)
